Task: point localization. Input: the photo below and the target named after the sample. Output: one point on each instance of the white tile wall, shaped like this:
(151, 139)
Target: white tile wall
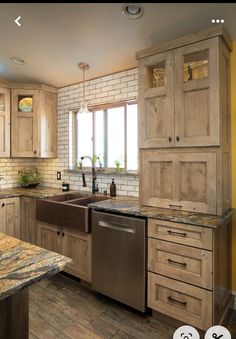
(107, 89)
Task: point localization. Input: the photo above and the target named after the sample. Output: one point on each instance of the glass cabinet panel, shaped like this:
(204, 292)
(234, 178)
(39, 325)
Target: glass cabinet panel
(157, 74)
(196, 65)
(2, 102)
(25, 103)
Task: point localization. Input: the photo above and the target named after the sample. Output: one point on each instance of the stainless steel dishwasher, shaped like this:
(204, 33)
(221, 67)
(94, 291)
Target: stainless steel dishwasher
(119, 258)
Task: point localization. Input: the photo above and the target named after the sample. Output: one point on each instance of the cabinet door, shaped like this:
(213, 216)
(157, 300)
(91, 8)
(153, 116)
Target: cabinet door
(28, 228)
(197, 99)
(49, 237)
(25, 115)
(4, 122)
(77, 246)
(158, 175)
(10, 216)
(156, 101)
(179, 180)
(48, 124)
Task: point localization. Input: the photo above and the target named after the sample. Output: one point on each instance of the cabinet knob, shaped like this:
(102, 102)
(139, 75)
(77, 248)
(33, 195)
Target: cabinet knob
(63, 234)
(58, 233)
(35, 152)
(3, 204)
(170, 139)
(177, 138)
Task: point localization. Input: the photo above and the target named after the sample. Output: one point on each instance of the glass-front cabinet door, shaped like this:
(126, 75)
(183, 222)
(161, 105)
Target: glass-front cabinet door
(156, 105)
(179, 95)
(197, 100)
(4, 122)
(24, 133)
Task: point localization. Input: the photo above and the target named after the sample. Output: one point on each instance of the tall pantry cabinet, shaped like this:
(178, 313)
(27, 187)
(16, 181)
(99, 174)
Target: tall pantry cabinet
(184, 123)
(185, 155)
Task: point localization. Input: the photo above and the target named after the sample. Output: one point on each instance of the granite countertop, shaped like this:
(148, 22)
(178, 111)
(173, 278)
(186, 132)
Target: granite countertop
(37, 192)
(125, 205)
(132, 207)
(22, 264)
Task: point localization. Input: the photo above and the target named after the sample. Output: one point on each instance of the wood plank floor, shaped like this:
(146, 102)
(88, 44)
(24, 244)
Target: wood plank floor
(62, 308)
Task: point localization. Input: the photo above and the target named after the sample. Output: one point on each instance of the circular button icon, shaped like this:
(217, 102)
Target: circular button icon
(186, 332)
(217, 332)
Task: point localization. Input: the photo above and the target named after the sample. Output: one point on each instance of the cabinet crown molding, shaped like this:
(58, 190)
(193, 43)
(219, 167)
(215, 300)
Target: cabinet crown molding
(186, 40)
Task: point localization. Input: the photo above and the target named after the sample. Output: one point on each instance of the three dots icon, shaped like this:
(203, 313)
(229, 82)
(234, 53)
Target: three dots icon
(217, 21)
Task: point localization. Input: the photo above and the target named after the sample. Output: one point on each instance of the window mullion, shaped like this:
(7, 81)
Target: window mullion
(125, 136)
(93, 135)
(105, 139)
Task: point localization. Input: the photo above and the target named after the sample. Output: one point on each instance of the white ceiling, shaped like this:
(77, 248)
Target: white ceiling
(55, 37)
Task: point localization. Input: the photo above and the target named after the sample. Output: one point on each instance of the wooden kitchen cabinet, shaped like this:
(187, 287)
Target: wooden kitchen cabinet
(189, 271)
(50, 237)
(28, 223)
(33, 121)
(73, 244)
(10, 216)
(182, 85)
(181, 180)
(78, 246)
(4, 122)
(184, 123)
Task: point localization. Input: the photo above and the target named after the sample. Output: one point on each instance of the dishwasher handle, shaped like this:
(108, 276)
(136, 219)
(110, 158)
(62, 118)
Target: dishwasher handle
(116, 226)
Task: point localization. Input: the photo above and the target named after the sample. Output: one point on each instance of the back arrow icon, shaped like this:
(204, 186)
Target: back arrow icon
(17, 21)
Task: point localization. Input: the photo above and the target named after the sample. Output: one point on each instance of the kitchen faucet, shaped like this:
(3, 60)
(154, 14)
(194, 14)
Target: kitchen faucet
(94, 185)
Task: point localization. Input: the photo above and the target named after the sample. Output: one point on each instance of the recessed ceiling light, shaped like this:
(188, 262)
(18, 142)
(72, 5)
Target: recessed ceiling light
(132, 11)
(17, 60)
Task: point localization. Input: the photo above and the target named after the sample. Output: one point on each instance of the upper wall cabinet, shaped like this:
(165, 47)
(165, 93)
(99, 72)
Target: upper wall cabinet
(33, 121)
(4, 122)
(181, 93)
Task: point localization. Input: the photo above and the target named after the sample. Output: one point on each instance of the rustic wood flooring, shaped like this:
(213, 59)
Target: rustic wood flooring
(63, 308)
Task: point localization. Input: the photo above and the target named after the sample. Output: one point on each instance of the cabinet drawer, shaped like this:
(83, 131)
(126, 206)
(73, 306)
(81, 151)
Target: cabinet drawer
(184, 263)
(189, 304)
(185, 234)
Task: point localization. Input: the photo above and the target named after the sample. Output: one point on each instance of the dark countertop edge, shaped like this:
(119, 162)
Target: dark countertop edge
(17, 288)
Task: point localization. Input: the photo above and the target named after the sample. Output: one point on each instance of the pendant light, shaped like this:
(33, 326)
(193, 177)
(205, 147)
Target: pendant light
(84, 109)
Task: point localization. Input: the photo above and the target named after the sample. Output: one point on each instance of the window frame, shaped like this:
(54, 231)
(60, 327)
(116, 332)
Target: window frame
(74, 139)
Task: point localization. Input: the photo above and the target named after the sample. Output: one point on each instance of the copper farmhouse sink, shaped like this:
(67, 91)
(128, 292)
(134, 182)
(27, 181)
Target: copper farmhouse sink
(67, 210)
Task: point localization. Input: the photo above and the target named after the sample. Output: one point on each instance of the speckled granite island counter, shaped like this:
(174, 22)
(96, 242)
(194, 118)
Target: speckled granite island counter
(21, 265)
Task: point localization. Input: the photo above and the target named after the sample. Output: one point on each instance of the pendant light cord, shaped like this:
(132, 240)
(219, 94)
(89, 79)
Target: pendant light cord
(83, 87)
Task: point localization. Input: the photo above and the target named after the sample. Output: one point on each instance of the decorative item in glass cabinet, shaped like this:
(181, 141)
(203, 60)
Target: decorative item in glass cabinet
(25, 104)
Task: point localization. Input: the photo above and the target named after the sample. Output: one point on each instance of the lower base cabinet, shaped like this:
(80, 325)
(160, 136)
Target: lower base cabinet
(189, 271)
(73, 244)
(10, 216)
(28, 223)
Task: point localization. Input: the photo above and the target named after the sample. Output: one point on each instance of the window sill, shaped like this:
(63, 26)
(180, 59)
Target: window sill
(102, 172)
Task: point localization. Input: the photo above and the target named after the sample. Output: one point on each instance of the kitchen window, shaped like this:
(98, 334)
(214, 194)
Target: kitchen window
(108, 132)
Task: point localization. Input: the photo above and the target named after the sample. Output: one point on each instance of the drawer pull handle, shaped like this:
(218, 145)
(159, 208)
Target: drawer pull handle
(176, 262)
(3, 204)
(179, 234)
(58, 233)
(172, 300)
(175, 206)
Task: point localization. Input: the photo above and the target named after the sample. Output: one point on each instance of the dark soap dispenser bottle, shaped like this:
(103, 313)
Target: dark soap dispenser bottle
(112, 188)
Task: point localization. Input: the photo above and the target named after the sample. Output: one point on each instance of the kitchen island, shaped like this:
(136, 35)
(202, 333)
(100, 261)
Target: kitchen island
(21, 265)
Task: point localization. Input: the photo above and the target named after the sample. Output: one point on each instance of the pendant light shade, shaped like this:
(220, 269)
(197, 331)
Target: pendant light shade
(83, 109)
